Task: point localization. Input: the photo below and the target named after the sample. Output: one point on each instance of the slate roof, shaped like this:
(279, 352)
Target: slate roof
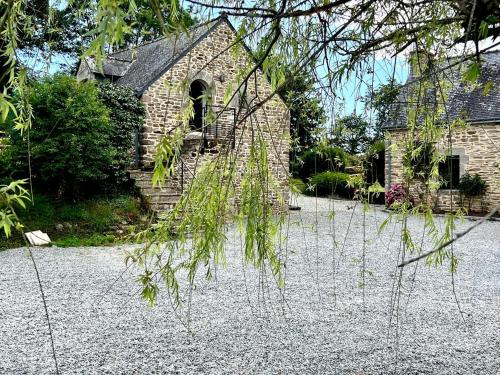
(140, 66)
(473, 105)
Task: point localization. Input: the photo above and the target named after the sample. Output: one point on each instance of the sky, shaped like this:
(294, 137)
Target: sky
(355, 89)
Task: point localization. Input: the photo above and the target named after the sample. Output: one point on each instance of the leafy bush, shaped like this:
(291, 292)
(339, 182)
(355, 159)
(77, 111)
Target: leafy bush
(126, 115)
(12, 197)
(472, 185)
(395, 195)
(95, 239)
(70, 138)
(297, 185)
(81, 141)
(86, 223)
(326, 183)
(352, 133)
(317, 160)
(6, 164)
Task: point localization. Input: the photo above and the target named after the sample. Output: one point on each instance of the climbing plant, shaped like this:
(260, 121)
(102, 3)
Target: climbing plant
(126, 116)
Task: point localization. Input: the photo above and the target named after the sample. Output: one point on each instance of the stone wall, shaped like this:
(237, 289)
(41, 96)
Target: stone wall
(477, 145)
(213, 62)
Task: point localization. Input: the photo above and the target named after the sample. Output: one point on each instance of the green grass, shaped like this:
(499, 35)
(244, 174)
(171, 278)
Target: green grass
(95, 239)
(88, 223)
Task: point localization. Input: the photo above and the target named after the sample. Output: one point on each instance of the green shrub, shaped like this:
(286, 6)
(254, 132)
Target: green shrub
(95, 239)
(85, 223)
(297, 185)
(70, 138)
(472, 185)
(7, 162)
(317, 160)
(326, 183)
(98, 214)
(82, 138)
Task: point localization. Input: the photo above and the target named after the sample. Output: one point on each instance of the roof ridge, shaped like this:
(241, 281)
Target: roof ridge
(471, 55)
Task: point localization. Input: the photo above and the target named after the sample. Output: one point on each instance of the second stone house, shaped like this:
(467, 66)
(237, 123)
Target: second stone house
(472, 149)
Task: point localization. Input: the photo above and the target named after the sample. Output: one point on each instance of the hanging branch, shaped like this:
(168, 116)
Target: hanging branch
(47, 317)
(458, 236)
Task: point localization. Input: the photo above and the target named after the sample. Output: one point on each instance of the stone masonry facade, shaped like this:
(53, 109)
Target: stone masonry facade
(477, 149)
(213, 62)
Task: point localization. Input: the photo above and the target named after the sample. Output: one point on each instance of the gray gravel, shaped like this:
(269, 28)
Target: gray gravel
(239, 322)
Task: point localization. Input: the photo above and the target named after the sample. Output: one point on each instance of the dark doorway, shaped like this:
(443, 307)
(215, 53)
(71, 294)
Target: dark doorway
(197, 92)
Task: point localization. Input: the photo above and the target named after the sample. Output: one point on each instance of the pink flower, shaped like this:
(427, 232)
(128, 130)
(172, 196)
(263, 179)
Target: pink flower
(395, 194)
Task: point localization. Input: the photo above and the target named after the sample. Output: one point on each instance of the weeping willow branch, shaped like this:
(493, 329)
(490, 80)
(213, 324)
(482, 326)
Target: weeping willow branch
(457, 236)
(44, 301)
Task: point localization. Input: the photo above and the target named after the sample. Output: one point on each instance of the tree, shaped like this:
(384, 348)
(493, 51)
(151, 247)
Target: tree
(307, 115)
(82, 133)
(126, 115)
(337, 38)
(381, 101)
(69, 146)
(352, 133)
(68, 29)
(149, 24)
(332, 40)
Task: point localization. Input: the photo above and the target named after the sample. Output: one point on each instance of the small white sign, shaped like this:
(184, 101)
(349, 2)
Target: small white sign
(37, 238)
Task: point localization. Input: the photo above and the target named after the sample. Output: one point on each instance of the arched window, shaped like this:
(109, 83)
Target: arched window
(198, 93)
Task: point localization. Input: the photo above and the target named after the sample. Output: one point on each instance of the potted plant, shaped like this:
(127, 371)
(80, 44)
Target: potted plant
(471, 186)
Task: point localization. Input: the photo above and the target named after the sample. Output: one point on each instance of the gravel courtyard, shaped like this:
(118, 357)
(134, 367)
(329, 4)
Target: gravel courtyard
(239, 322)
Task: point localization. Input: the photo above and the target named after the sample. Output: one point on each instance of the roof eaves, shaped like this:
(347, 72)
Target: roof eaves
(485, 121)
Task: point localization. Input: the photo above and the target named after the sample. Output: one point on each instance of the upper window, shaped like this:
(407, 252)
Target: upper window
(198, 93)
(449, 170)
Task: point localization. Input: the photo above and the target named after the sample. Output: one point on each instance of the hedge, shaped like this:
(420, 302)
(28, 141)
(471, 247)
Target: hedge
(314, 161)
(326, 183)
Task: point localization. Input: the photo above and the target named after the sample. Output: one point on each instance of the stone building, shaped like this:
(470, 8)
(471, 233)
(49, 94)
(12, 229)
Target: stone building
(475, 148)
(201, 64)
